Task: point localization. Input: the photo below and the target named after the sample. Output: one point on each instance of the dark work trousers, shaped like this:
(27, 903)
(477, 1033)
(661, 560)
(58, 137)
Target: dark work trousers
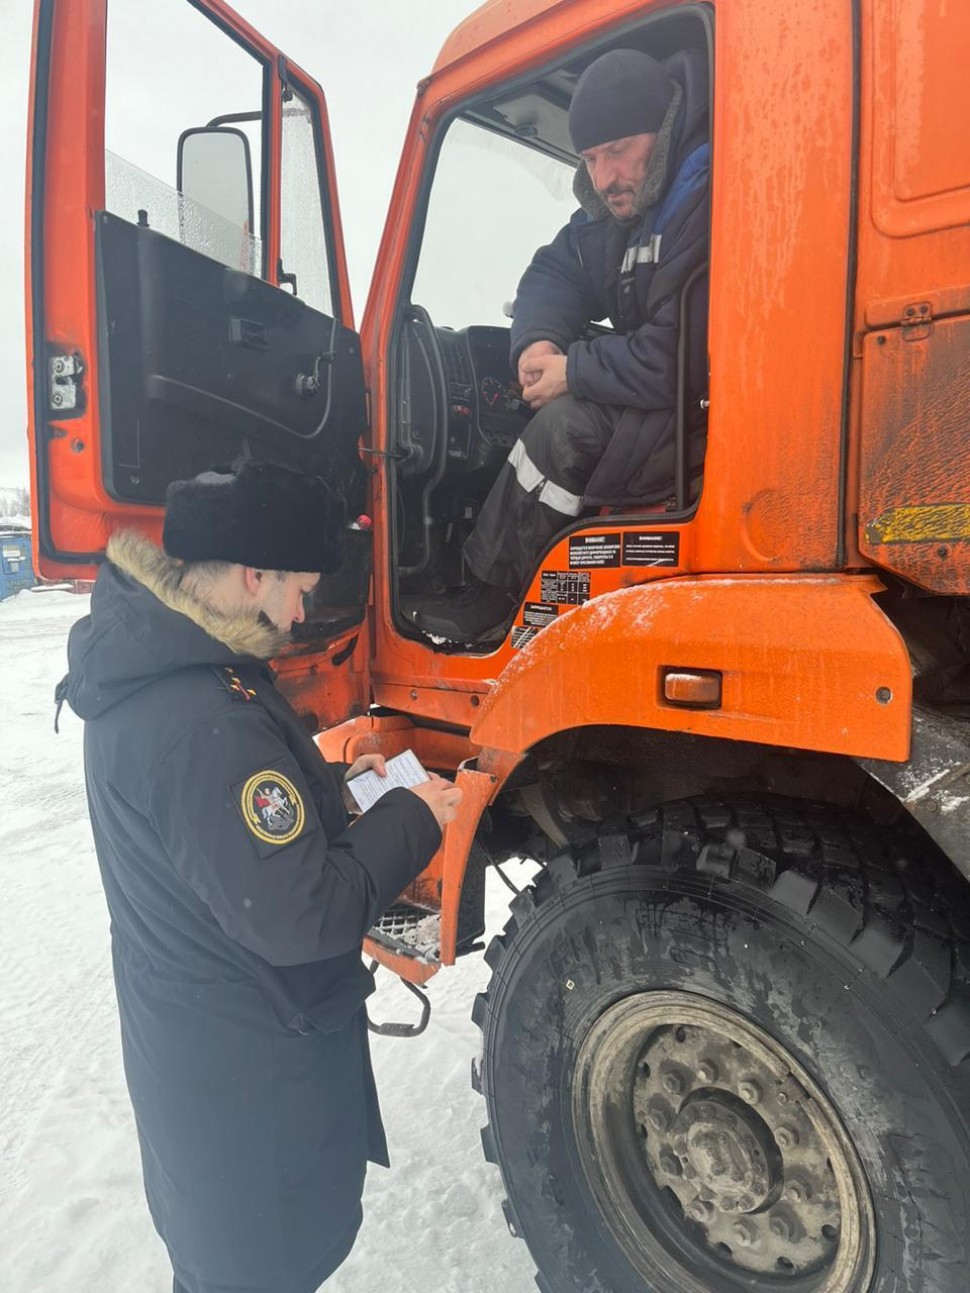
(539, 490)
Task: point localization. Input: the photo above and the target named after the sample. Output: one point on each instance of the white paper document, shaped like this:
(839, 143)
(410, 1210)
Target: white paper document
(403, 770)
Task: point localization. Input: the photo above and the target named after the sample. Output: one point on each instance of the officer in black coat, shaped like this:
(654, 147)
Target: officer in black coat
(604, 429)
(237, 890)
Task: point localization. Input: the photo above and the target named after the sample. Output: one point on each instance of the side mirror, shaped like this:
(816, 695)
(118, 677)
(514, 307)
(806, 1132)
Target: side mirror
(214, 175)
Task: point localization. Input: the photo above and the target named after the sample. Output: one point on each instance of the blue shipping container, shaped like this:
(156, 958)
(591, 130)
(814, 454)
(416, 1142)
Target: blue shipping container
(16, 571)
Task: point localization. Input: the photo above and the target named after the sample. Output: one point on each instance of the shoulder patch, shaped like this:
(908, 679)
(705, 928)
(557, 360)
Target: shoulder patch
(272, 807)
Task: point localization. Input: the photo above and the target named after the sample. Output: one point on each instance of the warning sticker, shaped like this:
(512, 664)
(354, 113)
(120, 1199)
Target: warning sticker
(565, 587)
(538, 614)
(521, 635)
(594, 551)
(651, 548)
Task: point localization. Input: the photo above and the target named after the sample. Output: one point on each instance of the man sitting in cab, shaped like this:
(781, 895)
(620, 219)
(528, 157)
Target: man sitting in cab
(604, 430)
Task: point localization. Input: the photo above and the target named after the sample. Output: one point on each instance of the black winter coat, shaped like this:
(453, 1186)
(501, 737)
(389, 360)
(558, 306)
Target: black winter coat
(238, 899)
(579, 279)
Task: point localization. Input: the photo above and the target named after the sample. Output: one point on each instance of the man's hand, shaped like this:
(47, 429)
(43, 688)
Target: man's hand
(363, 763)
(366, 763)
(441, 796)
(547, 379)
(528, 373)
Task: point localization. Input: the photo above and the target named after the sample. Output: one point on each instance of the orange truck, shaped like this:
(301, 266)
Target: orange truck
(726, 1040)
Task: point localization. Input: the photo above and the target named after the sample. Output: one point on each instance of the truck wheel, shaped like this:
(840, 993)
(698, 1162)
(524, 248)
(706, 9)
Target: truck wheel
(725, 1048)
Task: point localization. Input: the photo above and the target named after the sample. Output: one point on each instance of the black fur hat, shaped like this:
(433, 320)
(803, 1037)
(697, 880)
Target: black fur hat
(261, 515)
(622, 93)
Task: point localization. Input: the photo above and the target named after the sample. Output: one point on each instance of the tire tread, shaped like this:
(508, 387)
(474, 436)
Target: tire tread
(885, 897)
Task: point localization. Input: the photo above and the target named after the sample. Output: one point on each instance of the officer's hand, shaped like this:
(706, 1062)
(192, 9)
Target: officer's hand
(549, 380)
(441, 796)
(366, 763)
(527, 371)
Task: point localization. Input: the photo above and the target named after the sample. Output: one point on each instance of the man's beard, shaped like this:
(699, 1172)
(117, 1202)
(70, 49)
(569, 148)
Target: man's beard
(631, 215)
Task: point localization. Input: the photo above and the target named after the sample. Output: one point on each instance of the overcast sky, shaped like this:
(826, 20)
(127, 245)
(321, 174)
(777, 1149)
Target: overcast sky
(367, 54)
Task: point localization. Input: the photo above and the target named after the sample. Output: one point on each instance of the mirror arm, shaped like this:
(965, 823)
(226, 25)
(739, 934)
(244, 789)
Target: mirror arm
(228, 118)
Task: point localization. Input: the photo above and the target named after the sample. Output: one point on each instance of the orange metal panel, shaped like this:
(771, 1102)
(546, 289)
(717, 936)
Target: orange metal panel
(390, 735)
(921, 159)
(69, 95)
(449, 687)
(914, 160)
(478, 790)
(779, 261)
(808, 662)
(914, 491)
(492, 21)
(537, 25)
(364, 735)
(321, 691)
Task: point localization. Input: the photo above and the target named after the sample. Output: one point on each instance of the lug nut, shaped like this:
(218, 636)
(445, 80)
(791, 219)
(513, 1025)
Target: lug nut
(744, 1234)
(787, 1137)
(669, 1165)
(659, 1119)
(707, 1071)
(749, 1091)
(701, 1210)
(745, 1203)
(673, 1082)
(780, 1227)
(798, 1192)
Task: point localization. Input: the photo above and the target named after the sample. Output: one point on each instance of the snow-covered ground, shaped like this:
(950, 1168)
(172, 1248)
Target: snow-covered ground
(72, 1214)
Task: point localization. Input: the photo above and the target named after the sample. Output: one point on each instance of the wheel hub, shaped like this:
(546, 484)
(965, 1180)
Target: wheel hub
(725, 1148)
(716, 1158)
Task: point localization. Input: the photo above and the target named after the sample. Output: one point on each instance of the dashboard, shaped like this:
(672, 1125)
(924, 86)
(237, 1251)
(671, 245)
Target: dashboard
(460, 405)
(482, 391)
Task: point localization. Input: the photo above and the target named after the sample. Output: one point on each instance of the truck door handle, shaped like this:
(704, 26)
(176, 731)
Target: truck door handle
(248, 333)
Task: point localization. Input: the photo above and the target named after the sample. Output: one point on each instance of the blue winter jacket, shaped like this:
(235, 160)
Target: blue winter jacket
(633, 274)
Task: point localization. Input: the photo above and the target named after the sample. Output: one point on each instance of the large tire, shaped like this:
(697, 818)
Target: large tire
(812, 969)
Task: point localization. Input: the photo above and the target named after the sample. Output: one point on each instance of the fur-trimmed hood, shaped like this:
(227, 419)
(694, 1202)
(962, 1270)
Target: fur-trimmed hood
(144, 624)
(245, 635)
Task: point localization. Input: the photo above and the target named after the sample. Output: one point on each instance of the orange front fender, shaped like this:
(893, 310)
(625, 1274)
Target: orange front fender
(808, 661)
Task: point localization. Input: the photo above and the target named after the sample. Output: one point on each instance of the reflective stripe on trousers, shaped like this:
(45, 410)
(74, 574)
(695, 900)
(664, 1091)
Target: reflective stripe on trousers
(531, 478)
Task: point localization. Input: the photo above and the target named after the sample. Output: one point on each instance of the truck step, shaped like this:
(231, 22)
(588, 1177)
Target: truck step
(410, 931)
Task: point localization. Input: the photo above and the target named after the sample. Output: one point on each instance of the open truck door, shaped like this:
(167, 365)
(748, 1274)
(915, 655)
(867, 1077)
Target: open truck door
(188, 301)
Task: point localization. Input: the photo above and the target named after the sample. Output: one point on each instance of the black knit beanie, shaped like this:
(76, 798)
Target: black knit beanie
(262, 515)
(622, 93)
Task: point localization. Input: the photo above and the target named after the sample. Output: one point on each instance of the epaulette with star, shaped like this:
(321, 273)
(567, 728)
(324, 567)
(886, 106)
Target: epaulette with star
(234, 684)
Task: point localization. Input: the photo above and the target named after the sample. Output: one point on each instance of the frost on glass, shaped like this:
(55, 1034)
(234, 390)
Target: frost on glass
(129, 190)
(494, 202)
(303, 244)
